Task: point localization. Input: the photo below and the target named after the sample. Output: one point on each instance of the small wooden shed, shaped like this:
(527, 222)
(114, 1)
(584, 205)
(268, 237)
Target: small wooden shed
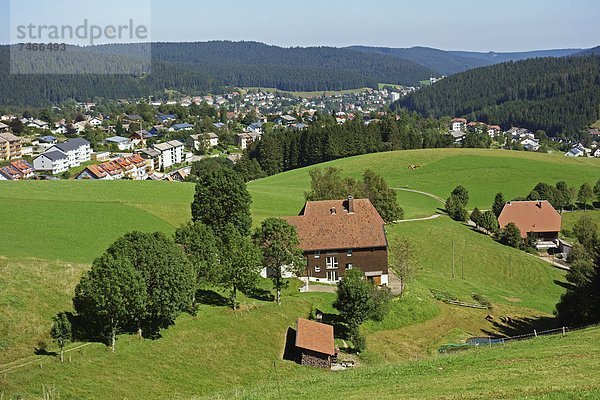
(315, 343)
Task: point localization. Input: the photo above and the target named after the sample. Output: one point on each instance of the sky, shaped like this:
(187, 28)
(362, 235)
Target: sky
(473, 25)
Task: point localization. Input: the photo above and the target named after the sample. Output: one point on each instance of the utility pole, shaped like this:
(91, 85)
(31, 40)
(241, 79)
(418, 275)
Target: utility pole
(462, 268)
(453, 263)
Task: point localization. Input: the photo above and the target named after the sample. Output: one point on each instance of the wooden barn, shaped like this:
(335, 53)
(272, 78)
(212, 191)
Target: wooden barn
(315, 344)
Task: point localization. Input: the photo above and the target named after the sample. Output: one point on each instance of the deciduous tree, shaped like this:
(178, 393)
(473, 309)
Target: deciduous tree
(222, 198)
(61, 332)
(401, 259)
(585, 195)
(489, 222)
(279, 243)
(202, 250)
(111, 298)
(383, 198)
(240, 263)
(511, 236)
(476, 216)
(586, 232)
(168, 276)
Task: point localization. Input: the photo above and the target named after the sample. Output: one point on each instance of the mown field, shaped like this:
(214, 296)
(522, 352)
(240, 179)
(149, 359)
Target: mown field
(217, 351)
(75, 221)
(482, 172)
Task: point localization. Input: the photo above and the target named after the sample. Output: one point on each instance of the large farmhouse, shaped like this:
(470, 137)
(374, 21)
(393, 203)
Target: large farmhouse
(338, 235)
(537, 218)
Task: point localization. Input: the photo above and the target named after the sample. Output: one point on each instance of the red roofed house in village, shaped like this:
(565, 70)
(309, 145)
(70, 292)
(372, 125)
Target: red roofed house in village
(537, 218)
(338, 235)
(315, 343)
(24, 168)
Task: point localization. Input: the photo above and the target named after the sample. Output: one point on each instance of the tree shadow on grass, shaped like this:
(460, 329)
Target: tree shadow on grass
(211, 298)
(340, 329)
(510, 327)
(564, 285)
(261, 295)
(43, 352)
(481, 232)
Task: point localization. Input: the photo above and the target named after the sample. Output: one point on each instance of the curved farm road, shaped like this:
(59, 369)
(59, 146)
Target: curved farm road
(433, 196)
(435, 216)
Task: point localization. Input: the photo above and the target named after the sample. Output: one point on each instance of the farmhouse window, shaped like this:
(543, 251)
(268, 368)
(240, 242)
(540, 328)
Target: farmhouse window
(332, 263)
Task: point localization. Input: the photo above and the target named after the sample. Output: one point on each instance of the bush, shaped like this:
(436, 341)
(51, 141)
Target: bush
(381, 303)
(358, 340)
(312, 314)
(532, 250)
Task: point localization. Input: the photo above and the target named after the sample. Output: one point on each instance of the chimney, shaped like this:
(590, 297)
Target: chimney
(539, 204)
(333, 211)
(350, 205)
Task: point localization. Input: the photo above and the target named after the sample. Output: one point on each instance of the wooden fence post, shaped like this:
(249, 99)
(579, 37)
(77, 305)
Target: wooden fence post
(535, 333)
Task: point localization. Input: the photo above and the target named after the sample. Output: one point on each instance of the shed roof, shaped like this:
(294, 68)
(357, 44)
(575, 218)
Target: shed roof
(315, 336)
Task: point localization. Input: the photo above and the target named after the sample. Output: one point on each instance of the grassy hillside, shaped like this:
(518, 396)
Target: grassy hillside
(493, 270)
(544, 368)
(75, 221)
(215, 350)
(483, 172)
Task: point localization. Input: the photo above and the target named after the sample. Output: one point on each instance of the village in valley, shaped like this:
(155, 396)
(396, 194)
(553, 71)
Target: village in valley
(159, 146)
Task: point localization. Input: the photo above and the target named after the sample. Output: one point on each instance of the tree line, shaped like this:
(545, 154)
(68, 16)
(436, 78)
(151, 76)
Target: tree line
(329, 185)
(580, 304)
(557, 95)
(286, 149)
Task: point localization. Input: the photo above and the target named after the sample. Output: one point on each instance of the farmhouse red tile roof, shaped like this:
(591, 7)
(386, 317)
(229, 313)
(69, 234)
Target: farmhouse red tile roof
(315, 336)
(22, 166)
(97, 171)
(531, 216)
(320, 228)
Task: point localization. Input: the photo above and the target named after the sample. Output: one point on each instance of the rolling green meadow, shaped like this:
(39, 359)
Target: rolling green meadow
(483, 172)
(53, 230)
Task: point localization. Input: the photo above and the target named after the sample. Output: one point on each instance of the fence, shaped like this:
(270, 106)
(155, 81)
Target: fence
(491, 341)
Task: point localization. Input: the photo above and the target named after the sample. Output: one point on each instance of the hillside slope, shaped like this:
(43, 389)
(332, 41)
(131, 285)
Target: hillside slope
(441, 61)
(544, 368)
(558, 95)
(452, 62)
(482, 172)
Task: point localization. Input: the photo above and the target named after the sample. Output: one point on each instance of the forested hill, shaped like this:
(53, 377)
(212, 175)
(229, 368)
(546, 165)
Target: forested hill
(441, 61)
(452, 62)
(293, 69)
(208, 66)
(558, 95)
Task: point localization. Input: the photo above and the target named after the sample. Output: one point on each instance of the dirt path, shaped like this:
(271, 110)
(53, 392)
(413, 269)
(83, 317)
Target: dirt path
(436, 216)
(433, 196)
(9, 367)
